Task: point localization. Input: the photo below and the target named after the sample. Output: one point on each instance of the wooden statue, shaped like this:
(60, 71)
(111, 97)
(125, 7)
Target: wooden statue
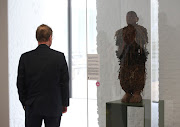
(132, 54)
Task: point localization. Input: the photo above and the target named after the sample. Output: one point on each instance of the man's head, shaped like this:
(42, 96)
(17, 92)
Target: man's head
(44, 35)
(131, 18)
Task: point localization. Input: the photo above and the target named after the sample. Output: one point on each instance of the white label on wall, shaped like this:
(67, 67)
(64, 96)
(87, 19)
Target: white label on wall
(93, 67)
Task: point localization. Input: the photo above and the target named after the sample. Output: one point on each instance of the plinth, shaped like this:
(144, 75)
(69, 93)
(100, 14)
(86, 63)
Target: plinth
(116, 113)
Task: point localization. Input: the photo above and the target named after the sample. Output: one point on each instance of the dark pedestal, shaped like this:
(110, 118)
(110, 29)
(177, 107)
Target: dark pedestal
(116, 113)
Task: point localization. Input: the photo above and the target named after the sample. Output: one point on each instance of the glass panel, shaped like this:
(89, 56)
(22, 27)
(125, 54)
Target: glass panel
(130, 42)
(79, 78)
(154, 64)
(169, 61)
(78, 105)
(92, 49)
(24, 17)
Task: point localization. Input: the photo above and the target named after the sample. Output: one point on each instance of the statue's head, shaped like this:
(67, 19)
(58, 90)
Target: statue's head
(131, 18)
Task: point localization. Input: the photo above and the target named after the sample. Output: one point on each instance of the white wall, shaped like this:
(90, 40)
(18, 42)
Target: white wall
(108, 21)
(23, 19)
(169, 73)
(111, 16)
(4, 98)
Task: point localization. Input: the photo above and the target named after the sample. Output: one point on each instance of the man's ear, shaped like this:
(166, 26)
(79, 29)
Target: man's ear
(50, 38)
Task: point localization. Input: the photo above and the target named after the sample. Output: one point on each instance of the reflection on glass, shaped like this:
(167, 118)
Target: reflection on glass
(92, 49)
(132, 54)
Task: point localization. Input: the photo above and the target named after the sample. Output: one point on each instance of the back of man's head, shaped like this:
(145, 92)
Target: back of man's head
(43, 33)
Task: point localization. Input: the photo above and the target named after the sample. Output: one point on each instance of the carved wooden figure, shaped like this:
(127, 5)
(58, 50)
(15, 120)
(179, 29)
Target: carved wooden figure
(132, 54)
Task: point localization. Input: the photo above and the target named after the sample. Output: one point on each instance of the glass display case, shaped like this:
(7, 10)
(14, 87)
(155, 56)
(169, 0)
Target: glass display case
(112, 24)
(147, 40)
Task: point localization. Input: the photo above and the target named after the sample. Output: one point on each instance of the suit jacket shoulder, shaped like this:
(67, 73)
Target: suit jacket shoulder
(57, 52)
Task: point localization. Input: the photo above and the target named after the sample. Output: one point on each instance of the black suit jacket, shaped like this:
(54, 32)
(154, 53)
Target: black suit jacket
(43, 80)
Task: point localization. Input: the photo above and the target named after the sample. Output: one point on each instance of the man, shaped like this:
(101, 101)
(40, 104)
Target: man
(43, 82)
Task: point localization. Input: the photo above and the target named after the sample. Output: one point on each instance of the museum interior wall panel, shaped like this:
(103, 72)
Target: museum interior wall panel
(169, 60)
(4, 98)
(108, 21)
(111, 16)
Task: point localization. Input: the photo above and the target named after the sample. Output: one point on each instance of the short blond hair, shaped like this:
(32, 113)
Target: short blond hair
(43, 33)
